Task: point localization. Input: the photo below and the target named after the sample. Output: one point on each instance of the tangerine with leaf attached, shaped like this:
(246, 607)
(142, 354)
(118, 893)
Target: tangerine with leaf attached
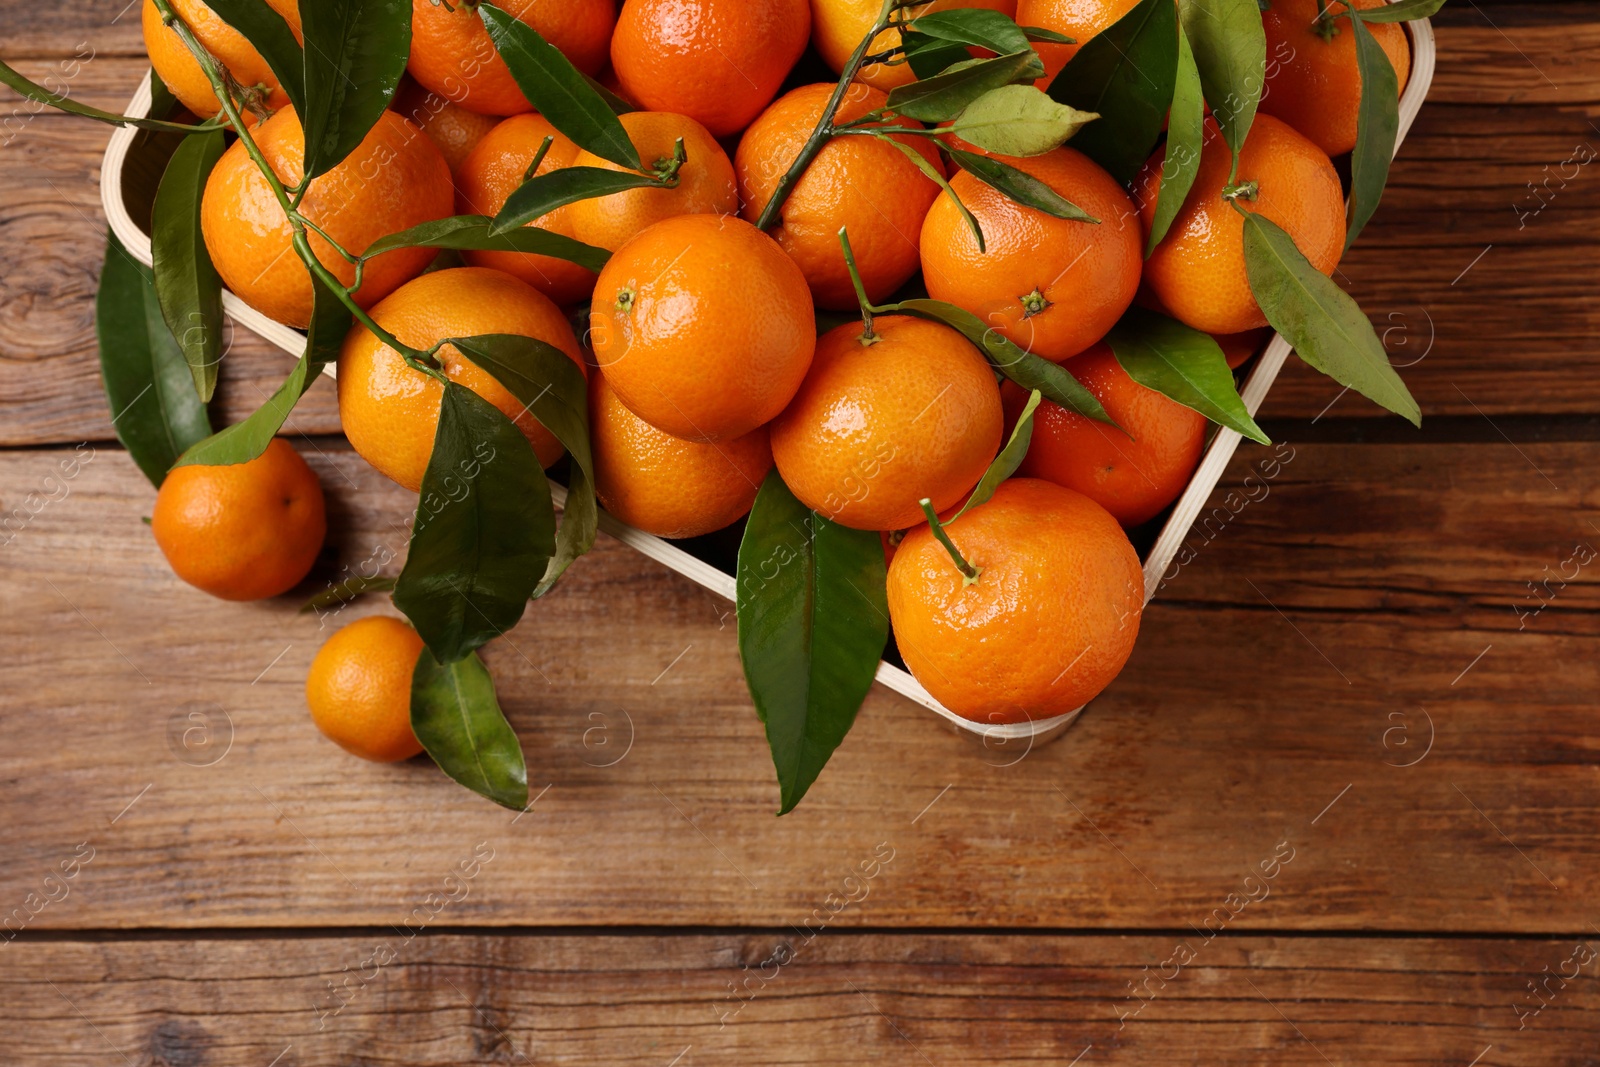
(359, 689)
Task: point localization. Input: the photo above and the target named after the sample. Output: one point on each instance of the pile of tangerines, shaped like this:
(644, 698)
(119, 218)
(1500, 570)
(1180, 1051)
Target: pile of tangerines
(717, 352)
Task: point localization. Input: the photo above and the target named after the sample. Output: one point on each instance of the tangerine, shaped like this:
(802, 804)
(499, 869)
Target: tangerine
(1078, 19)
(839, 26)
(177, 67)
(359, 689)
(453, 129)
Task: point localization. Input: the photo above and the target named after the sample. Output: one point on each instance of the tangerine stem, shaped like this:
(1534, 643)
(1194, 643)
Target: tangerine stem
(969, 573)
(867, 336)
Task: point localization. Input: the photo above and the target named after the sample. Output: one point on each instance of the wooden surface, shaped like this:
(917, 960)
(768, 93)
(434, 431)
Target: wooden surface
(1351, 670)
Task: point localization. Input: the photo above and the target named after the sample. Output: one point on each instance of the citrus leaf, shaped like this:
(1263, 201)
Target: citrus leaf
(977, 27)
(1230, 51)
(944, 96)
(154, 409)
(1007, 462)
(475, 232)
(557, 91)
(269, 34)
(556, 392)
(1377, 129)
(355, 53)
(928, 56)
(162, 102)
(1019, 185)
(1044, 36)
(457, 717)
(1186, 127)
(813, 622)
(538, 196)
(346, 592)
(1184, 365)
(933, 174)
(1325, 326)
(187, 284)
(1402, 11)
(1124, 74)
(484, 533)
(1019, 120)
(38, 93)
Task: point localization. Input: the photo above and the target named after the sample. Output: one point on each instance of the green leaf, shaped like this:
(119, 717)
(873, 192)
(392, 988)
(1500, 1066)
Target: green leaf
(346, 592)
(1230, 51)
(154, 409)
(1026, 369)
(1044, 36)
(457, 717)
(539, 196)
(813, 621)
(557, 91)
(1181, 364)
(1019, 185)
(1402, 11)
(944, 96)
(40, 94)
(1125, 75)
(484, 532)
(977, 27)
(555, 391)
(356, 51)
(616, 103)
(1186, 129)
(269, 34)
(187, 284)
(1321, 321)
(1007, 462)
(475, 232)
(1019, 120)
(928, 56)
(162, 102)
(1377, 129)
(935, 175)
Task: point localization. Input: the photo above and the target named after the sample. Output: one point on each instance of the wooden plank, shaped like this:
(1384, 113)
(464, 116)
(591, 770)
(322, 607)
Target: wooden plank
(651, 1000)
(1281, 683)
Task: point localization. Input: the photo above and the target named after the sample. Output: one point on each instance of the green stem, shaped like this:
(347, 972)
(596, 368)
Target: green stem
(867, 336)
(969, 573)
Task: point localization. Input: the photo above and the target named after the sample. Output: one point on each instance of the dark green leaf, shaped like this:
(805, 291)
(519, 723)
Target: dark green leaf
(346, 592)
(32, 91)
(187, 285)
(813, 621)
(1044, 36)
(975, 26)
(935, 175)
(154, 409)
(356, 51)
(1019, 120)
(162, 103)
(1402, 11)
(474, 232)
(1377, 129)
(1321, 321)
(1185, 134)
(539, 196)
(1184, 365)
(1026, 369)
(269, 34)
(484, 533)
(944, 96)
(457, 717)
(1124, 74)
(557, 91)
(928, 56)
(1019, 185)
(1007, 462)
(1230, 51)
(555, 391)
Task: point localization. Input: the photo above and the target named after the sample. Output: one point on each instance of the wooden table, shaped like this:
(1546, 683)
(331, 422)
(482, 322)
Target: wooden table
(1352, 688)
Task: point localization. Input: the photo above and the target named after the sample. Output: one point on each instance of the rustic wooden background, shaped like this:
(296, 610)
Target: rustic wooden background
(1383, 674)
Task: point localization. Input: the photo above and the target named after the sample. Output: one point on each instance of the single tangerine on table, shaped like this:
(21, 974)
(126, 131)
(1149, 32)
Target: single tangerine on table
(359, 689)
(858, 183)
(1132, 472)
(453, 129)
(395, 179)
(486, 180)
(883, 422)
(1047, 625)
(1197, 272)
(665, 485)
(177, 67)
(1078, 19)
(706, 182)
(390, 410)
(839, 25)
(703, 326)
(717, 61)
(453, 55)
(247, 531)
(1053, 286)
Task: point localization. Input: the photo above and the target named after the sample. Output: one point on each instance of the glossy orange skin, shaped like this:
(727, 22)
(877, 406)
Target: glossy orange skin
(706, 182)
(665, 485)
(858, 183)
(453, 129)
(453, 55)
(177, 67)
(1087, 273)
(839, 25)
(703, 327)
(390, 411)
(1197, 272)
(1078, 19)
(1133, 479)
(1238, 348)
(878, 427)
(488, 177)
(1050, 621)
(359, 689)
(717, 61)
(1313, 84)
(394, 180)
(243, 532)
